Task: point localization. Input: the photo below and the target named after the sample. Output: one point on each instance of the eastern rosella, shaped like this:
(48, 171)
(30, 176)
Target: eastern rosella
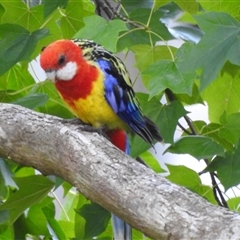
(97, 89)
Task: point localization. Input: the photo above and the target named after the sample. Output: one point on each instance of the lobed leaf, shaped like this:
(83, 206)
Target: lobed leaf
(50, 6)
(222, 95)
(152, 162)
(227, 168)
(17, 44)
(96, 217)
(32, 189)
(105, 32)
(219, 42)
(32, 101)
(199, 147)
(188, 178)
(230, 129)
(73, 18)
(165, 74)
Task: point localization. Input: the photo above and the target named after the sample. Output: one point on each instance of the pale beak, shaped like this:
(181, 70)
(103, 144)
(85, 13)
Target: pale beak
(51, 75)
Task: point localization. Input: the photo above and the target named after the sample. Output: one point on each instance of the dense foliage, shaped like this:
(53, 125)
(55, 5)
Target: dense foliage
(204, 72)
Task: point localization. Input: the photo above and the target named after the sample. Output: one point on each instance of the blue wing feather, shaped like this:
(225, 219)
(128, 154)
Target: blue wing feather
(118, 98)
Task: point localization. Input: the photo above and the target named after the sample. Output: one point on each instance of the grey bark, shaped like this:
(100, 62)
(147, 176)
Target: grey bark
(147, 201)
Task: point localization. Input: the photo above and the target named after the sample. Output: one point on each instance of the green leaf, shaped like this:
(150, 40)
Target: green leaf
(4, 220)
(24, 171)
(165, 74)
(50, 6)
(17, 78)
(222, 95)
(166, 118)
(195, 98)
(69, 206)
(55, 229)
(20, 225)
(169, 115)
(72, 19)
(234, 204)
(175, 9)
(105, 32)
(66, 188)
(230, 7)
(32, 189)
(67, 227)
(36, 221)
(96, 217)
(230, 129)
(206, 192)
(161, 3)
(48, 207)
(6, 174)
(188, 178)
(227, 168)
(183, 176)
(8, 234)
(32, 101)
(188, 5)
(17, 44)
(220, 41)
(138, 146)
(17, 12)
(152, 162)
(213, 130)
(80, 223)
(146, 55)
(199, 147)
(32, 19)
(136, 4)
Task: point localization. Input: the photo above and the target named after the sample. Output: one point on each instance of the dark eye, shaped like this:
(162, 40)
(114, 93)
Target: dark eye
(61, 60)
(43, 48)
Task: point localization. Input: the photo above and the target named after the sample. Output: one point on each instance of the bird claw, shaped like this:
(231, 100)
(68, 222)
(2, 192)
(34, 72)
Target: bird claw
(73, 121)
(84, 126)
(100, 130)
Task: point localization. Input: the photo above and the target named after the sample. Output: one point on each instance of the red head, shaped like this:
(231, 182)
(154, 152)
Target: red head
(65, 65)
(61, 60)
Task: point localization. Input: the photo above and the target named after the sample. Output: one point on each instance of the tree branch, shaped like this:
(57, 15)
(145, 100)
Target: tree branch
(150, 203)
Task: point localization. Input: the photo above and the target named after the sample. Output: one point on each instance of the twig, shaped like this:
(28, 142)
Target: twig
(184, 129)
(101, 6)
(216, 190)
(111, 11)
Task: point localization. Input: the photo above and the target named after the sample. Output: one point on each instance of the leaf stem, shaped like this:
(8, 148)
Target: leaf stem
(217, 191)
(150, 15)
(60, 205)
(165, 42)
(127, 32)
(21, 90)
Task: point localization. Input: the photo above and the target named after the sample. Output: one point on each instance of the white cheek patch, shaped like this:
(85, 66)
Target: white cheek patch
(67, 72)
(51, 75)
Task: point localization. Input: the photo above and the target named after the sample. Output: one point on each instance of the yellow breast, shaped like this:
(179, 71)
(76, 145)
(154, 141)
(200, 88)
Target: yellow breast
(95, 110)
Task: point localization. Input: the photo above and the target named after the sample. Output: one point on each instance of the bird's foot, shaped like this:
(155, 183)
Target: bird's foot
(73, 121)
(85, 127)
(100, 130)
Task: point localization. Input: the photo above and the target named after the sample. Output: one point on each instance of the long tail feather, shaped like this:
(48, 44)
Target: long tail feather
(122, 231)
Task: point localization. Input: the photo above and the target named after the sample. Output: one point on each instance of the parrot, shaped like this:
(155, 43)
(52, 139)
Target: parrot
(96, 87)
